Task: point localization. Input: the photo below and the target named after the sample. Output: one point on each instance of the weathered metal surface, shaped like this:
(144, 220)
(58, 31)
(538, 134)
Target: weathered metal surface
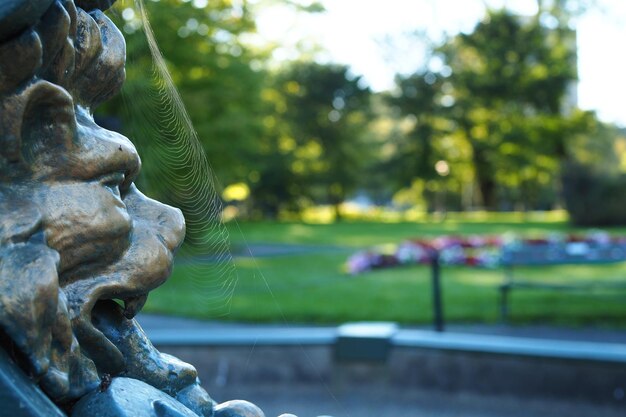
(19, 397)
(17, 15)
(75, 232)
(126, 397)
(238, 408)
(94, 4)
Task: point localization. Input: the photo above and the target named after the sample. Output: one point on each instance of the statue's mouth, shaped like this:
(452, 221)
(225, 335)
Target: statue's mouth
(99, 311)
(133, 305)
(99, 299)
(102, 330)
(130, 353)
(114, 320)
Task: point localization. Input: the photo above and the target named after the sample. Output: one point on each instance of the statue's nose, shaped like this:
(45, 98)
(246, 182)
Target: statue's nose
(171, 225)
(99, 152)
(166, 221)
(174, 227)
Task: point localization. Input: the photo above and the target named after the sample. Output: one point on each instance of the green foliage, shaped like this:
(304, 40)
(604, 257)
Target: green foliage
(419, 101)
(593, 198)
(214, 72)
(493, 104)
(594, 179)
(295, 137)
(316, 147)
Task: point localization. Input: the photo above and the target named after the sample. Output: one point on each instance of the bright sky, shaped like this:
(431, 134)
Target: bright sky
(353, 32)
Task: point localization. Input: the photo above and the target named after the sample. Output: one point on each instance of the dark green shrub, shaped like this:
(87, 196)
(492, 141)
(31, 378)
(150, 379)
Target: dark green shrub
(593, 198)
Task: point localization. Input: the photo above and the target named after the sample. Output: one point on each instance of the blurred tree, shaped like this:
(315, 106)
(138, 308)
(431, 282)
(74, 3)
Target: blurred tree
(323, 111)
(420, 105)
(594, 176)
(215, 72)
(275, 185)
(502, 92)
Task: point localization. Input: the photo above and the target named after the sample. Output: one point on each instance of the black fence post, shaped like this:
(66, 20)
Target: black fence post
(437, 304)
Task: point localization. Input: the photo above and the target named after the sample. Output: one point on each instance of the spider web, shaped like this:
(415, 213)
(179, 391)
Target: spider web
(168, 137)
(180, 169)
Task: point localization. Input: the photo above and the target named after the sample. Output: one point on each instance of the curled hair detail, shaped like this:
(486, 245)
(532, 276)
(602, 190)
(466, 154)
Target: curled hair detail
(81, 51)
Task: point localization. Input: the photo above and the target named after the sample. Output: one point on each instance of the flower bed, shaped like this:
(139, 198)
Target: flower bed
(491, 251)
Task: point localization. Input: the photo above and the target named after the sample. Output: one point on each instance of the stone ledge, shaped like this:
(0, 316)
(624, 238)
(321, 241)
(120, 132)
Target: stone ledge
(389, 333)
(516, 346)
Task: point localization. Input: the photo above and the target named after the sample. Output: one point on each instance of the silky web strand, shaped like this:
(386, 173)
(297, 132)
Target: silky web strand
(184, 172)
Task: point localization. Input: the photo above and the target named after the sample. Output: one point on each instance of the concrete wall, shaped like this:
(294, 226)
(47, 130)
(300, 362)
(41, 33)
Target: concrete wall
(407, 368)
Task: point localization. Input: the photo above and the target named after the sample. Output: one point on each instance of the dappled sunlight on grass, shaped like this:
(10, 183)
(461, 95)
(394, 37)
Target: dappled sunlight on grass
(366, 233)
(573, 273)
(318, 215)
(480, 277)
(300, 231)
(509, 217)
(325, 214)
(312, 287)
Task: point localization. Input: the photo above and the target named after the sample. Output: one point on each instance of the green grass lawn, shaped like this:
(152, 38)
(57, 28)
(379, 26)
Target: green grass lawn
(363, 233)
(312, 288)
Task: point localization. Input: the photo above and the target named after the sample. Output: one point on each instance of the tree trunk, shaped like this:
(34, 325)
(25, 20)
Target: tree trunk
(487, 188)
(484, 173)
(338, 216)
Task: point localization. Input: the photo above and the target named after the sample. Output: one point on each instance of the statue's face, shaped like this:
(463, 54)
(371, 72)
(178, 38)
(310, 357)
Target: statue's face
(73, 227)
(80, 176)
(113, 242)
(75, 233)
(82, 182)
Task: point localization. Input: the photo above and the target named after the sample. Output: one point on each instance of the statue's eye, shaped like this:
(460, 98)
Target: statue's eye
(113, 181)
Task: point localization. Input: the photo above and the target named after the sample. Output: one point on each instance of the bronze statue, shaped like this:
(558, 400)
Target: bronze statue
(80, 246)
